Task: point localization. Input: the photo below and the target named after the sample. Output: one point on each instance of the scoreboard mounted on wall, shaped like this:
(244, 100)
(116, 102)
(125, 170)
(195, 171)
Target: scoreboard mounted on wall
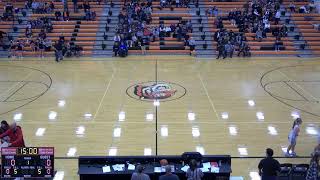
(28, 162)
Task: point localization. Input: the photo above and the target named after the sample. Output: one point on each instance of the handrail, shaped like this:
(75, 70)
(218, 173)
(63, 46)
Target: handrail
(232, 157)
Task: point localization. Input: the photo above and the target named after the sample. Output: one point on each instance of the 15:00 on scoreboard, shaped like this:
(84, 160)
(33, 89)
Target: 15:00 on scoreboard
(27, 162)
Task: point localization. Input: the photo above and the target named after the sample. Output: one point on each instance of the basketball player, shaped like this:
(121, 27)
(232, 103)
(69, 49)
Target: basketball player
(293, 135)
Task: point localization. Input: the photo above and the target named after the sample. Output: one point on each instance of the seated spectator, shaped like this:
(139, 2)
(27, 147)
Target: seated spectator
(66, 15)
(168, 175)
(284, 31)
(215, 11)
(194, 172)
(42, 34)
(9, 8)
(139, 175)
(229, 49)
(41, 47)
(47, 44)
(292, 7)
(312, 6)
(303, 9)
(277, 44)
(117, 38)
(58, 15)
(259, 35)
(220, 23)
(115, 48)
(267, 27)
(15, 136)
(192, 45)
(277, 17)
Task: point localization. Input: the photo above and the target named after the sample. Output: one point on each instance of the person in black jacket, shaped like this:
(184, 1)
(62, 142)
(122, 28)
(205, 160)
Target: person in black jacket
(269, 167)
(220, 49)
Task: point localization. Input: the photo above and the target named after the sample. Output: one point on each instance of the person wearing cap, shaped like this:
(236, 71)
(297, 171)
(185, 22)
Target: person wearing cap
(139, 175)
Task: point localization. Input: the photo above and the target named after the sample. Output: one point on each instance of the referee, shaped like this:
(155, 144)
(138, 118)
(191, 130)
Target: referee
(269, 167)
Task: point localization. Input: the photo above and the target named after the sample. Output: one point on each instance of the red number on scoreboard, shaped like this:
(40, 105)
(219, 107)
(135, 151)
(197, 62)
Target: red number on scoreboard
(13, 162)
(48, 162)
(48, 171)
(7, 171)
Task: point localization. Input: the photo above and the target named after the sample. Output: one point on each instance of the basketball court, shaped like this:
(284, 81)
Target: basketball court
(108, 107)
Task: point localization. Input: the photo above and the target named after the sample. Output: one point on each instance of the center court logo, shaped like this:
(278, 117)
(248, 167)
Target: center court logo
(151, 90)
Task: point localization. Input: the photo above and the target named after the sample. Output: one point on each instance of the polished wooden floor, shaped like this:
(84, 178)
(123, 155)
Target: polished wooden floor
(50, 100)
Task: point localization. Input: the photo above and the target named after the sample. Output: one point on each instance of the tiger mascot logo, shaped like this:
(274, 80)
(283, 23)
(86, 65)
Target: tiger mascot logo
(154, 91)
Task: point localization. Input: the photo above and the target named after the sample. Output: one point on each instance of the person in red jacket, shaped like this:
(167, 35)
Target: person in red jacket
(15, 135)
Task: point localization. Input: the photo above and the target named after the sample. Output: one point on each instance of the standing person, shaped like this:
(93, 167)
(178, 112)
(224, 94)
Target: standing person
(294, 133)
(220, 50)
(277, 44)
(194, 173)
(312, 173)
(58, 51)
(168, 175)
(192, 45)
(269, 167)
(75, 6)
(139, 175)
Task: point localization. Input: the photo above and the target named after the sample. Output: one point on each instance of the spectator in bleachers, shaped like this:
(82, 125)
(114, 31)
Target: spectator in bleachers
(19, 50)
(139, 175)
(2, 38)
(192, 45)
(8, 8)
(284, 31)
(41, 47)
(312, 173)
(58, 46)
(189, 26)
(303, 9)
(47, 44)
(115, 48)
(269, 167)
(292, 7)
(58, 16)
(220, 49)
(311, 6)
(228, 50)
(267, 27)
(86, 6)
(259, 35)
(277, 44)
(243, 48)
(75, 6)
(194, 173)
(277, 17)
(66, 15)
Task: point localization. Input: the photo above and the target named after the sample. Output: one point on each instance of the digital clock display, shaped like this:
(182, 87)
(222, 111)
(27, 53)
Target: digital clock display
(29, 162)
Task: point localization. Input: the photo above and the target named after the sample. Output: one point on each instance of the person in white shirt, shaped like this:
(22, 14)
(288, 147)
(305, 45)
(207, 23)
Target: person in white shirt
(293, 135)
(267, 27)
(277, 17)
(117, 38)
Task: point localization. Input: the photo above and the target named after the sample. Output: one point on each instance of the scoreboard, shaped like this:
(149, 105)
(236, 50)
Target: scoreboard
(28, 162)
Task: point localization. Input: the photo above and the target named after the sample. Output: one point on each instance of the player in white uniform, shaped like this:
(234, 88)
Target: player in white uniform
(293, 135)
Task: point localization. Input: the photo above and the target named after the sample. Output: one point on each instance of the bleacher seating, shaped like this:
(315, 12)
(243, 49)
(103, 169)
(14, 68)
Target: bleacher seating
(87, 34)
